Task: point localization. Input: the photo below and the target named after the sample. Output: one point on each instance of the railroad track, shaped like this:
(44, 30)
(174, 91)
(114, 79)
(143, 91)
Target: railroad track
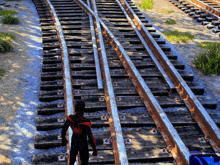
(206, 12)
(143, 104)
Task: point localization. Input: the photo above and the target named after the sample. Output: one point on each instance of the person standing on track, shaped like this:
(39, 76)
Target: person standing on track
(81, 129)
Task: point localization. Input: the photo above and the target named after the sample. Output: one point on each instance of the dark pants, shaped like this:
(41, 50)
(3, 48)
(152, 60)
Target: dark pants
(84, 156)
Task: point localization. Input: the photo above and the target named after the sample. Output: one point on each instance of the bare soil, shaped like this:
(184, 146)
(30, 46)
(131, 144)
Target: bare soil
(14, 62)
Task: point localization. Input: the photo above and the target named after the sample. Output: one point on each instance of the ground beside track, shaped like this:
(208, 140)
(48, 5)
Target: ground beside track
(27, 57)
(19, 87)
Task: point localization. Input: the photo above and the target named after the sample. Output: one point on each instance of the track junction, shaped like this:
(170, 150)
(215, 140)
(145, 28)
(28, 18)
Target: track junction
(145, 104)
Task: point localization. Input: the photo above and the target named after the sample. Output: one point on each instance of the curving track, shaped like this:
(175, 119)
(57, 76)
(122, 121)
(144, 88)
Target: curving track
(143, 103)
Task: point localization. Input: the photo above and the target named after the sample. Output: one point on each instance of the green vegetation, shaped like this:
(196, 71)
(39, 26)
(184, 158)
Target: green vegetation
(171, 21)
(8, 19)
(8, 12)
(7, 36)
(147, 4)
(178, 36)
(209, 59)
(166, 11)
(5, 46)
(2, 73)
(138, 4)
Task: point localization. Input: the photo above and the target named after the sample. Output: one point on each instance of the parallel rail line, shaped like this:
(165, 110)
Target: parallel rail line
(205, 12)
(107, 54)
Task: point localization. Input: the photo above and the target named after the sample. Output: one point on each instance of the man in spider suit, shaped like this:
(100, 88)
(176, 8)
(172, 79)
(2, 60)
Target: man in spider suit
(81, 129)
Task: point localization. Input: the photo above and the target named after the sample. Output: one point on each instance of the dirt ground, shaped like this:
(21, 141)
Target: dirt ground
(14, 63)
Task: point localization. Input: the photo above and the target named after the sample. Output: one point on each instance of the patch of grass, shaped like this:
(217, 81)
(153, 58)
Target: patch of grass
(178, 36)
(138, 4)
(166, 11)
(147, 4)
(7, 36)
(8, 12)
(171, 21)
(8, 19)
(5, 46)
(2, 73)
(209, 59)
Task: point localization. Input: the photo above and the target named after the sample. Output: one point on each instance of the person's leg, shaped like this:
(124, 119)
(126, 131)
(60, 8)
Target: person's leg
(84, 156)
(73, 154)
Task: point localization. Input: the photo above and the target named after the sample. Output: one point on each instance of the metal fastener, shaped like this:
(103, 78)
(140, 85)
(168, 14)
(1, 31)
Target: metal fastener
(60, 105)
(106, 141)
(102, 99)
(104, 117)
(145, 115)
(122, 117)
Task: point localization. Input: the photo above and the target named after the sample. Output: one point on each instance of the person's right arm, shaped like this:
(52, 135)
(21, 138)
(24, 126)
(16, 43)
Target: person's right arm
(65, 127)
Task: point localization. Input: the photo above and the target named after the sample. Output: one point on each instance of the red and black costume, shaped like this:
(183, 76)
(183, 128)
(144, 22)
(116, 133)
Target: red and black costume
(81, 129)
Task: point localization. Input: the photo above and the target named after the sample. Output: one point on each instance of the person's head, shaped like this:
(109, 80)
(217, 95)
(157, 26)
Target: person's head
(79, 107)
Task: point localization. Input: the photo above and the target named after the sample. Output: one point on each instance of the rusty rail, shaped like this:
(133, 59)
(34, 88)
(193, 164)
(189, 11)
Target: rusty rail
(68, 94)
(96, 56)
(158, 66)
(179, 151)
(118, 145)
(205, 8)
(198, 112)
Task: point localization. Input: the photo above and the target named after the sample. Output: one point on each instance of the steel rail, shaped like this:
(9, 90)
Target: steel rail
(198, 112)
(96, 56)
(159, 67)
(205, 8)
(68, 94)
(215, 2)
(178, 149)
(119, 150)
